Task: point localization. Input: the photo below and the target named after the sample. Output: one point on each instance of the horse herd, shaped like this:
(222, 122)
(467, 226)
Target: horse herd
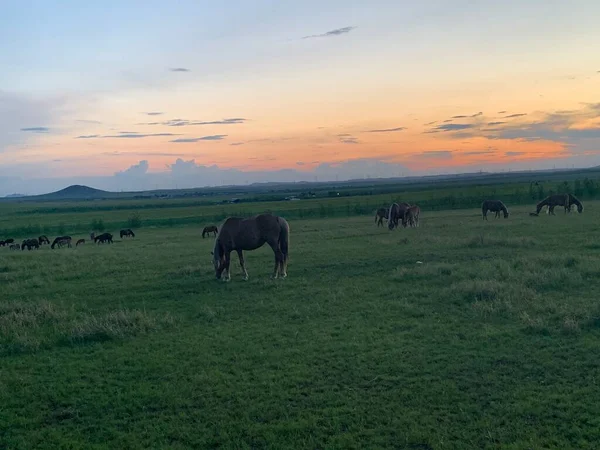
(62, 241)
(244, 234)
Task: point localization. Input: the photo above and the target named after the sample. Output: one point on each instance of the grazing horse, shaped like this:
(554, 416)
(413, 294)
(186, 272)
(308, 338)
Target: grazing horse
(249, 234)
(396, 216)
(103, 238)
(80, 241)
(209, 229)
(9, 241)
(61, 241)
(381, 215)
(92, 236)
(494, 206)
(565, 200)
(2, 243)
(127, 233)
(411, 217)
(43, 240)
(30, 243)
(15, 247)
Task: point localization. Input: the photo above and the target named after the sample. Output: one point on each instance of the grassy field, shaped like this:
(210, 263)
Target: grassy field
(459, 334)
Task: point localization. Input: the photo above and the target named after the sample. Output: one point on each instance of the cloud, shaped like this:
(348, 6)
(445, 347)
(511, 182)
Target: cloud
(459, 117)
(514, 153)
(154, 113)
(495, 123)
(454, 127)
(134, 135)
(430, 123)
(94, 122)
(477, 114)
(475, 153)
(214, 137)
(336, 32)
(349, 140)
(185, 122)
(137, 170)
(179, 69)
(237, 143)
(501, 112)
(36, 129)
(88, 136)
(435, 154)
(515, 115)
(387, 130)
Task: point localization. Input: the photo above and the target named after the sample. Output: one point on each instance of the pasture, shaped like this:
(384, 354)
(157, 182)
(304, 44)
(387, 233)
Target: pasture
(457, 334)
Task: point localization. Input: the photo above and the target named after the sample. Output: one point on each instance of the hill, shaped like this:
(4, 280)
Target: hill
(76, 192)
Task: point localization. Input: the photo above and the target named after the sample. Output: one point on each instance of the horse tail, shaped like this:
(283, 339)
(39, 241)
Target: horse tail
(284, 238)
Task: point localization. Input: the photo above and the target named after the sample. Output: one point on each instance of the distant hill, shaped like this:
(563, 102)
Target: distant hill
(76, 192)
(14, 195)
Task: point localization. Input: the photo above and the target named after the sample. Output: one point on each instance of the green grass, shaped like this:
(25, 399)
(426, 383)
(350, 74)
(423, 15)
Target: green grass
(458, 334)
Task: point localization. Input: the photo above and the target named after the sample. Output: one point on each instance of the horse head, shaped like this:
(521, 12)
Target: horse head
(505, 213)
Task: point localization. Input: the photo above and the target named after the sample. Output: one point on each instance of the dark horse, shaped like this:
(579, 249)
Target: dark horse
(43, 240)
(209, 229)
(565, 200)
(60, 241)
(30, 243)
(381, 215)
(495, 206)
(249, 234)
(127, 233)
(411, 217)
(396, 216)
(103, 238)
(80, 241)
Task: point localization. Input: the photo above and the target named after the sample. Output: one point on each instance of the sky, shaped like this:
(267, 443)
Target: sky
(135, 95)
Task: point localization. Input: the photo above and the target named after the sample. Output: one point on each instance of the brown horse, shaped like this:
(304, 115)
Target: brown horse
(80, 241)
(30, 243)
(565, 200)
(209, 229)
(61, 241)
(411, 217)
(104, 238)
(495, 206)
(381, 215)
(127, 233)
(396, 216)
(249, 234)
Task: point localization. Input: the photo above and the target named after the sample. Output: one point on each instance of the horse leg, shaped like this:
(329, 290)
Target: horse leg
(227, 272)
(242, 264)
(278, 258)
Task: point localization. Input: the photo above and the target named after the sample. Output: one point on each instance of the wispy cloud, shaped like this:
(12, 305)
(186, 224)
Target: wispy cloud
(501, 112)
(336, 32)
(387, 130)
(454, 127)
(348, 139)
(179, 69)
(186, 122)
(491, 124)
(515, 115)
(237, 143)
(154, 113)
(214, 137)
(36, 129)
(514, 153)
(435, 154)
(133, 135)
(88, 136)
(94, 122)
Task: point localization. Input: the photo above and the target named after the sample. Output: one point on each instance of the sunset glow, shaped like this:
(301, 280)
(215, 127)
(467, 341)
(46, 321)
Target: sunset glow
(397, 87)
